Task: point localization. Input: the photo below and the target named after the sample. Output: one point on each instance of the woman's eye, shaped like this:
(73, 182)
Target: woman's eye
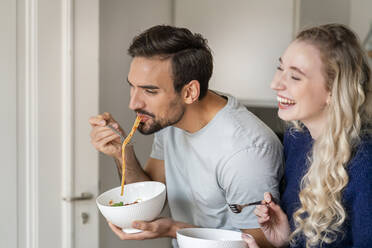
(279, 68)
(295, 78)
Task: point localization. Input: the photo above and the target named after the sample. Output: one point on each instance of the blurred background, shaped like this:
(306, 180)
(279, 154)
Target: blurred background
(63, 61)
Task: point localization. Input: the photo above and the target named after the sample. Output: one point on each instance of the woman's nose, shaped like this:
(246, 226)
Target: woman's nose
(278, 82)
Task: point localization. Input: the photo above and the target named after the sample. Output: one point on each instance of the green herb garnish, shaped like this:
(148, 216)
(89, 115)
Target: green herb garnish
(117, 204)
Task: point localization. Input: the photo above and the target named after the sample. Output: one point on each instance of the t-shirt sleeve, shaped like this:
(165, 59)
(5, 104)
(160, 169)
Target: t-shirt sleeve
(157, 151)
(245, 178)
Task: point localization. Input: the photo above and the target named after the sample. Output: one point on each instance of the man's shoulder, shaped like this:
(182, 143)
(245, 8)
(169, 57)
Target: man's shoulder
(249, 127)
(163, 132)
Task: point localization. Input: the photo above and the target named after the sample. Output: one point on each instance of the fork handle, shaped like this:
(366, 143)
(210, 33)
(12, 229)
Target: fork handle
(252, 203)
(117, 132)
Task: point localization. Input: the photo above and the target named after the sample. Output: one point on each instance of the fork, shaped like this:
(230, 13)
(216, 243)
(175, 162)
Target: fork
(122, 138)
(237, 208)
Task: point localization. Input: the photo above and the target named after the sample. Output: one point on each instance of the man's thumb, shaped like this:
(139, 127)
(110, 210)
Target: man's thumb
(142, 225)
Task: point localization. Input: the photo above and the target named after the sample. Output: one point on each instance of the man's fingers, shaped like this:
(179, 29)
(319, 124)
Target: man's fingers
(106, 116)
(145, 226)
(97, 120)
(103, 133)
(105, 141)
(117, 230)
(99, 133)
(129, 236)
(110, 120)
(101, 120)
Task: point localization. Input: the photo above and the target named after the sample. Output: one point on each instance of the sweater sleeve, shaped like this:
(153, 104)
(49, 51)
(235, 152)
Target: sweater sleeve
(286, 143)
(360, 179)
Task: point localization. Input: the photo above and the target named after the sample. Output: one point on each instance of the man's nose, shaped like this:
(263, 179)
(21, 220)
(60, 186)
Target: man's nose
(136, 101)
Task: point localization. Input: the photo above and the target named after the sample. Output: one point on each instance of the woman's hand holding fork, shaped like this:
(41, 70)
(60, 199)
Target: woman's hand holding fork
(273, 221)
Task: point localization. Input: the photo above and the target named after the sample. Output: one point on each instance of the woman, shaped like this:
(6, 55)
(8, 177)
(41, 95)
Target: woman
(324, 89)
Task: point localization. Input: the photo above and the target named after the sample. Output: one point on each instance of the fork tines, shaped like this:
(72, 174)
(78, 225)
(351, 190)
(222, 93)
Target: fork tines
(235, 208)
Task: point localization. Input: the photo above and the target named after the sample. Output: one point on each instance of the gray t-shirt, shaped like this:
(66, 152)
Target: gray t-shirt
(235, 158)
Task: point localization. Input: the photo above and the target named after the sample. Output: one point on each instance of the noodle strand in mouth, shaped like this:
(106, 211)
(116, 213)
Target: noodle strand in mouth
(126, 141)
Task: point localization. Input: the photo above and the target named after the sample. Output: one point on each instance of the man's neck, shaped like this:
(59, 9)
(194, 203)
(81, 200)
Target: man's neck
(200, 113)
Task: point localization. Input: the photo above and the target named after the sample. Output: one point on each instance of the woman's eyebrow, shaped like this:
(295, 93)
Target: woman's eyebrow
(293, 67)
(298, 70)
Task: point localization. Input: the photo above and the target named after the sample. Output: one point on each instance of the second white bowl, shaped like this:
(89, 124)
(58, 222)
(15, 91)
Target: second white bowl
(209, 238)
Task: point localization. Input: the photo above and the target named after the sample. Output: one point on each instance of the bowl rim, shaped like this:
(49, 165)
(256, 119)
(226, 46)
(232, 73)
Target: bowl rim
(131, 205)
(209, 229)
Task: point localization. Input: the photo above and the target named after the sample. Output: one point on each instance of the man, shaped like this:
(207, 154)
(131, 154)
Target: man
(208, 149)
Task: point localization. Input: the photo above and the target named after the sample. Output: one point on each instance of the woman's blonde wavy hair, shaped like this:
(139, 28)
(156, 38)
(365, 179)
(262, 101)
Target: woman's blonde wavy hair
(347, 74)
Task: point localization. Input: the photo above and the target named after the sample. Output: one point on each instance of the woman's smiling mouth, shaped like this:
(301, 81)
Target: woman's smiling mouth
(284, 103)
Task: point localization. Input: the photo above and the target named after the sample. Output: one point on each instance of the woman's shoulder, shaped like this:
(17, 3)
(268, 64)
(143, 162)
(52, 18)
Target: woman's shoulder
(361, 161)
(300, 136)
(364, 147)
(297, 143)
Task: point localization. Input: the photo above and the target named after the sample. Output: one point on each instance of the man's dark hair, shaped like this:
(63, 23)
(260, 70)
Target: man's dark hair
(190, 55)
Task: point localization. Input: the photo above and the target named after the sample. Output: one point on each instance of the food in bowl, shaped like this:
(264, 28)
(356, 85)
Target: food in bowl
(152, 195)
(119, 204)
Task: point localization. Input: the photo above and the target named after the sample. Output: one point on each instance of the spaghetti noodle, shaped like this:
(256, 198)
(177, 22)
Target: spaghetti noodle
(126, 141)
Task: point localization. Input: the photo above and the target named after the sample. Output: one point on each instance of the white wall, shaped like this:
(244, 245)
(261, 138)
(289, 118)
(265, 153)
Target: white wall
(120, 21)
(316, 12)
(246, 36)
(8, 125)
(357, 14)
(361, 17)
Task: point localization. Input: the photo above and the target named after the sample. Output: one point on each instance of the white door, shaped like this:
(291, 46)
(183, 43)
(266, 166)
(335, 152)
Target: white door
(85, 82)
(80, 34)
(56, 93)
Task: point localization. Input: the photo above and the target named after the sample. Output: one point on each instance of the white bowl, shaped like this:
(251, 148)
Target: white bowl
(209, 238)
(152, 197)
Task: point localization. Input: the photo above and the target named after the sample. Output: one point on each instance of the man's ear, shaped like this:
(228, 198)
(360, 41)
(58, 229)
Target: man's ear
(191, 92)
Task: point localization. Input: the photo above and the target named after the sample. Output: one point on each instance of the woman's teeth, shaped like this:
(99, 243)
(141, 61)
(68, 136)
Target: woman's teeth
(285, 100)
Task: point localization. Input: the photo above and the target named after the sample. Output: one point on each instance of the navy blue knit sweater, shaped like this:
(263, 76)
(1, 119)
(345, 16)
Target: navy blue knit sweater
(356, 197)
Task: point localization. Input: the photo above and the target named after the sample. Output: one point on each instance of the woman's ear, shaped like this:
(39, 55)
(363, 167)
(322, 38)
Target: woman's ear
(191, 92)
(329, 98)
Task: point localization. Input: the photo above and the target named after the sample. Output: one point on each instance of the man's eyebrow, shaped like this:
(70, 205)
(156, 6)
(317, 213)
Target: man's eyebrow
(293, 67)
(150, 87)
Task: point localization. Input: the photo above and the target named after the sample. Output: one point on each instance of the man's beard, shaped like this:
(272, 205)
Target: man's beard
(162, 123)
